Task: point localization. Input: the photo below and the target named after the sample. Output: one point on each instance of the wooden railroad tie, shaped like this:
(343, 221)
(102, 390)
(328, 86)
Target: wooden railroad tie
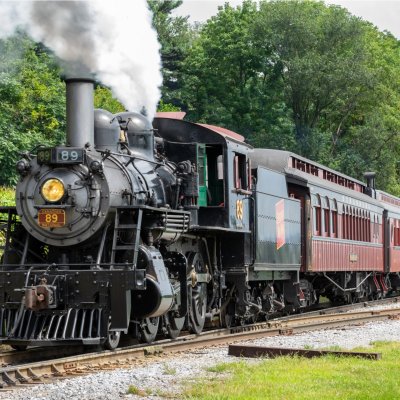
(272, 352)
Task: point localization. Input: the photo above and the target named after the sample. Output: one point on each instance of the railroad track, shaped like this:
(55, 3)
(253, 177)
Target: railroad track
(16, 372)
(321, 310)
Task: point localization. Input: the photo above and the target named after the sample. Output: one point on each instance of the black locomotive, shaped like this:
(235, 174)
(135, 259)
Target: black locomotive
(140, 229)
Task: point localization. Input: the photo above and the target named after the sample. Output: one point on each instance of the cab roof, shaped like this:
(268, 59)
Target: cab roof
(172, 127)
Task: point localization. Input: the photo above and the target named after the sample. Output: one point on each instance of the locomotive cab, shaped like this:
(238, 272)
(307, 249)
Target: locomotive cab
(220, 193)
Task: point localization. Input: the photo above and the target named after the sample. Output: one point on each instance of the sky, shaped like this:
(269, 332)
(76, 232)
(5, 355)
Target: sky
(385, 14)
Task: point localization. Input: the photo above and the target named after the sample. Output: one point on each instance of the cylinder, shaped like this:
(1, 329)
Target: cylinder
(80, 112)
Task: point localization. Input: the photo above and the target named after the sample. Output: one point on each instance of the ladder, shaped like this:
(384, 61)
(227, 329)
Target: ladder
(134, 225)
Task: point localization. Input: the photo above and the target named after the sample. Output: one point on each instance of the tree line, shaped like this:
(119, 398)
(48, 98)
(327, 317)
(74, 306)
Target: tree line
(295, 75)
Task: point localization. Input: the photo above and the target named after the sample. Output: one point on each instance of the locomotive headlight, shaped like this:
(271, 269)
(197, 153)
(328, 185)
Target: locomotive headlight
(53, 190)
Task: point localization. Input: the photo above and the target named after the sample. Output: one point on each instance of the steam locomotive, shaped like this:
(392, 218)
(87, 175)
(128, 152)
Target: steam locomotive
(148, 229)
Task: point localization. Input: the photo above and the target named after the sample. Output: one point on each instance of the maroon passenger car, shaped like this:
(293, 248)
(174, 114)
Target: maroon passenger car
(350, 230)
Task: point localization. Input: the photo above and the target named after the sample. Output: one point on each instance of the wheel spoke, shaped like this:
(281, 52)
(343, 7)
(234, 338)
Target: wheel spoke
(197, 313)
(198, 295)
(112, 340)
(148, 329)
(173, 325)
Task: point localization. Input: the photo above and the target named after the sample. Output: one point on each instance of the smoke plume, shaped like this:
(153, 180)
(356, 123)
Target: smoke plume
(112, 39)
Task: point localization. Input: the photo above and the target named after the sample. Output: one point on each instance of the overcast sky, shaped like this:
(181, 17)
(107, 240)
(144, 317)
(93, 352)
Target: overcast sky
(385, 14)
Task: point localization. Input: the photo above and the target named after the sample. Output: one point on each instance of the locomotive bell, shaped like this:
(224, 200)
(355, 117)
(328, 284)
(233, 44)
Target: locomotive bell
(140, 133)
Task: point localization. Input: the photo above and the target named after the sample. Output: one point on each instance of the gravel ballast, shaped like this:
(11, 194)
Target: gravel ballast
(164, 375)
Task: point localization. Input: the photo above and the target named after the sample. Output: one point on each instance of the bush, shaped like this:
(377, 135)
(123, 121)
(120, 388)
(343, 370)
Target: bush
(7, 196)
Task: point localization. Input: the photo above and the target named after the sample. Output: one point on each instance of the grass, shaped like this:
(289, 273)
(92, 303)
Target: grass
(219, 368)
(334, 347)
(7, 196)
(168, 370)
(323, 299)
(298, 378)
(132, 389)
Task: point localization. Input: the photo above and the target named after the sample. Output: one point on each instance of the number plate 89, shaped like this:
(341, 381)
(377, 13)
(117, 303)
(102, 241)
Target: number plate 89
(51, 218)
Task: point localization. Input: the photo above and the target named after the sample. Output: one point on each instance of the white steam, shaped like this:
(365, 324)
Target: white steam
(112, 39)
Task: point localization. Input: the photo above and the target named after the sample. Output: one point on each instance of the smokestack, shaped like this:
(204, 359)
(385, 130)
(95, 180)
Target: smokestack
(370, 189)
(370, 178)
(80, 111)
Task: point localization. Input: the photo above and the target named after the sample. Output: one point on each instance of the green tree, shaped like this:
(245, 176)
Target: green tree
(165, 107)
(228, 82)
(319, 51)
(303, 76)
(222, 63)
(104, 99)
(371, 140)
(32, 101)
(175, 37)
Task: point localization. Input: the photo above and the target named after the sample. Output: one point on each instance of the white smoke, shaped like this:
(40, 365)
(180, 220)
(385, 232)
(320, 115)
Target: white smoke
(112, 39)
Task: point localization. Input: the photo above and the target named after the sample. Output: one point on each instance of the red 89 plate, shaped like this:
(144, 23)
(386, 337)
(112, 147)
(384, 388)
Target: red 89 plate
(51, 218)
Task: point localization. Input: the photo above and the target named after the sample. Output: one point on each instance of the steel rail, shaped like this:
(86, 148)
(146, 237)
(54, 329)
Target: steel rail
(46, 353)
(46, 371)
(43, 354)
(344, 307)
